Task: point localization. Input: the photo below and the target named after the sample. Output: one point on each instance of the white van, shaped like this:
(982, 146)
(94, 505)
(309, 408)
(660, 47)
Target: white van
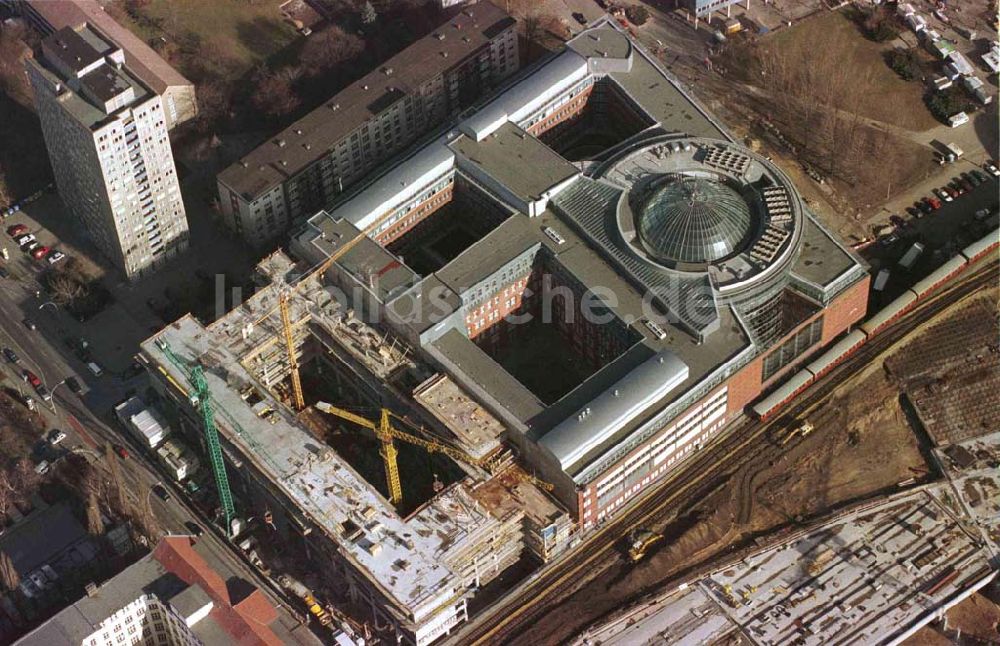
(959, 119)
(95, 369)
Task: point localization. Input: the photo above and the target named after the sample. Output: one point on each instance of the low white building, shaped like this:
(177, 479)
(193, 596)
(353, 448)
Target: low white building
(145, 423)
(179, 459)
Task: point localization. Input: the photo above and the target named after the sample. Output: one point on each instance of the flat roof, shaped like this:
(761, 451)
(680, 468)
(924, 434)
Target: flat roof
(448, 46)
(323, 485)
(652, 87)
(367, 260)
(517, 160)
(162, 572)
(821, 258)
(71, 49)
(148, 65)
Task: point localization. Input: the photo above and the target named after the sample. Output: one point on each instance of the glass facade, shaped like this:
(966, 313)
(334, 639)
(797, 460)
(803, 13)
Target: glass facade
(793, 347)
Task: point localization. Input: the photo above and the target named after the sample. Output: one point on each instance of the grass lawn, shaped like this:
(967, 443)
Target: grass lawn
(897, 102)
(248, 33)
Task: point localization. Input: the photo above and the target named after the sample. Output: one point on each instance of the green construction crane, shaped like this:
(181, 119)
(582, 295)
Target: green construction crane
(202, 398)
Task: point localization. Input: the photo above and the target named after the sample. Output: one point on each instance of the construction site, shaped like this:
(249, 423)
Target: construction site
(406, 490)
(876, 574)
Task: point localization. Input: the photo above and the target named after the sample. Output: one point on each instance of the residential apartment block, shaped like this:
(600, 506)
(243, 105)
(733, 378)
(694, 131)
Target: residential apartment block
(307, 166)
(49, 16)
(106, 133)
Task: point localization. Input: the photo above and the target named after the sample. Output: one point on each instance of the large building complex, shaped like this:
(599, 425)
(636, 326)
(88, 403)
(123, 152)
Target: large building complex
(667, 275)
(586, 273)
(106, 134)
(49, 16)
(306, 167)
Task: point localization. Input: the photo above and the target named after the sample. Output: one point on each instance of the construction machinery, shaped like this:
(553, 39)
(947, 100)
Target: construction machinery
(386, 433)
(287, 326)
(302, 592)
(639, 542)
(201, 397)
(801, 430)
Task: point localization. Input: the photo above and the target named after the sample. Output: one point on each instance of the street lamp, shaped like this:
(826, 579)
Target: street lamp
(52, 396)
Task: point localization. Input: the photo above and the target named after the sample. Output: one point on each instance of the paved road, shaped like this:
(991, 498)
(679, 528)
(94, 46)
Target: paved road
(88, 422)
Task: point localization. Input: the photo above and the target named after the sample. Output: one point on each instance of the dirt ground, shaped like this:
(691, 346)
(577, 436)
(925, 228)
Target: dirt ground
(862, 444)
(869, 112)
(978, 617)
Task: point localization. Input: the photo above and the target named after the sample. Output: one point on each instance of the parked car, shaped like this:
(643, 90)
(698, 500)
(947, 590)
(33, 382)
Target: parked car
(40, 252)
(971, 179)
(952, 191)
(982, 214)
(17, 230)
(28, 323)
(73, 385)
(966, 184)
(31, 378)
(10, 355)
(913, 211)
(161, 492)
(43, 392)
(56, 436)
(42, 467)
(95, 369)
(55, 256)
(4, 273)
(121, 451)
(956, 186)
(49, 573)
(980, 175)
(934, 202)
(991, 168)
(889, 239)
(925, 206)
(24, 239)
(194, 528)
(943, 194)
(897, 221)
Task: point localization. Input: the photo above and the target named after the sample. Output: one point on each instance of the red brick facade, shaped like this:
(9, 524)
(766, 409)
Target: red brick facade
(419, 213)
(847, 309)
(743, 388)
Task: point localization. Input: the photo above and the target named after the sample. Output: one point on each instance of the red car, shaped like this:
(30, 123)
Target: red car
(121, 451)
(17, 230)
(31, 378)
(40, 252)
(934, 202)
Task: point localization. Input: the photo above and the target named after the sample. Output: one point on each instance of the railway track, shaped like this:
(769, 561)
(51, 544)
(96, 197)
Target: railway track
(745, 442)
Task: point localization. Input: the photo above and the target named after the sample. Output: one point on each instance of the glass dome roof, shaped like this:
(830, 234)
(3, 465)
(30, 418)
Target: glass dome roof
(693, 220)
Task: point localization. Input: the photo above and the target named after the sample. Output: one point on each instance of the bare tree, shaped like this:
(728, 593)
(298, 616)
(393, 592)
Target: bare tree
(274, 95)
(13, 50)
(329, 48)
(95, 523)
(9, 578)
(116, 489)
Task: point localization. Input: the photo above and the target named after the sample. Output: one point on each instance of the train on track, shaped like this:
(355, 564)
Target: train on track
(849, 343)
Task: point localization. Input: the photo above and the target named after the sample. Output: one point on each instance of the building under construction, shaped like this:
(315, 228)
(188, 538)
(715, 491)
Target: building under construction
(466, 512)
(558, 300)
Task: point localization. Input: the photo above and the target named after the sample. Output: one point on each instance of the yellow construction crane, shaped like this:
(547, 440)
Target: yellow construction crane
(386, 432)
(520, 475)
(286, 322)
(293, 361)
